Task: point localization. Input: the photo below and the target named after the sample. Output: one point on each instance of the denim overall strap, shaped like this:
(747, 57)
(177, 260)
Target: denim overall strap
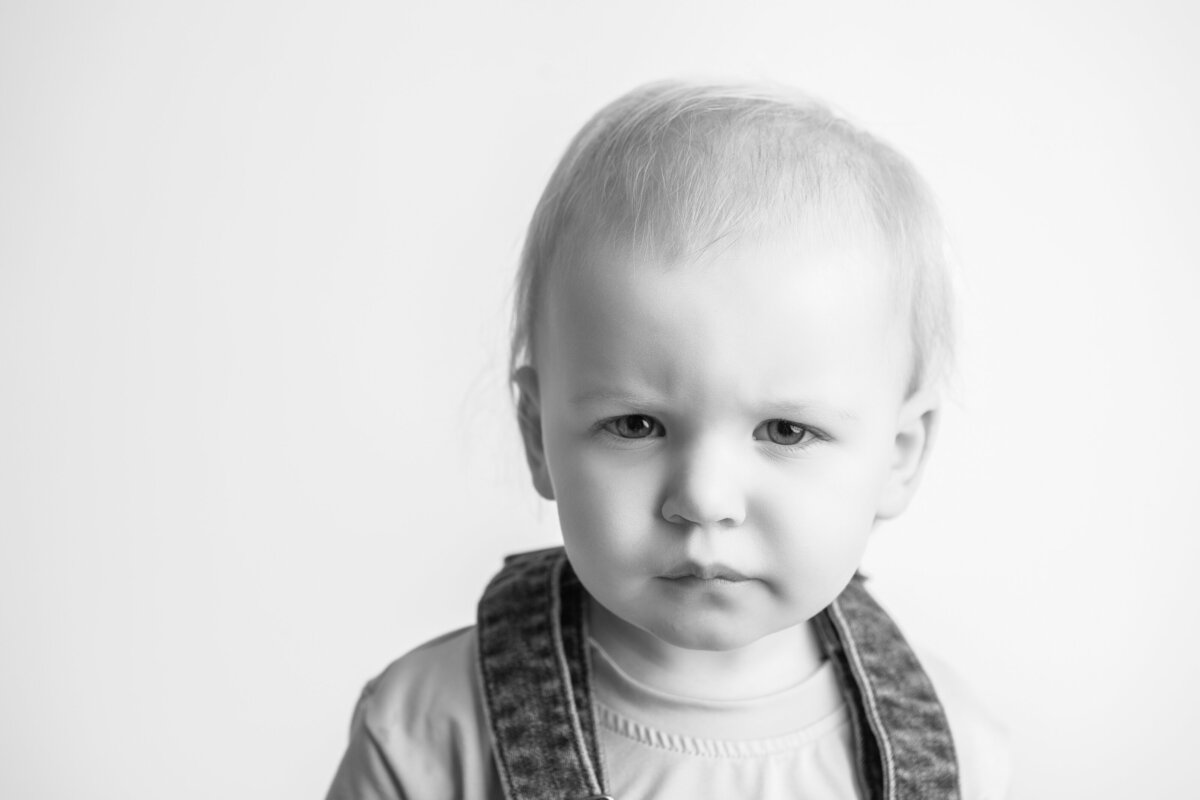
(535, 671)
(902, 738)
(536, 676)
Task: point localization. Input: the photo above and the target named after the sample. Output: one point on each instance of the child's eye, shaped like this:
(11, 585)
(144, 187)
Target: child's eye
(785, 432)
(632, 426)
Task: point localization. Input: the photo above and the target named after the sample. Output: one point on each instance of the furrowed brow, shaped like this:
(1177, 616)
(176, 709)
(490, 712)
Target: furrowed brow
(615, 396)
(788, 409)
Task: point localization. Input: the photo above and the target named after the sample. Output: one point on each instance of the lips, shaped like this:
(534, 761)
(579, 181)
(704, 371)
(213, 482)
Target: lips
(705, 572)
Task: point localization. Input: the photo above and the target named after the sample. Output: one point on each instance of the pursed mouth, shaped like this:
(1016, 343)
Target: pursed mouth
(706, 572)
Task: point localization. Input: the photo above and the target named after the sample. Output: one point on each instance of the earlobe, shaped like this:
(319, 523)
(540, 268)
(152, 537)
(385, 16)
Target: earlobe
(529, 417)
(915, 434)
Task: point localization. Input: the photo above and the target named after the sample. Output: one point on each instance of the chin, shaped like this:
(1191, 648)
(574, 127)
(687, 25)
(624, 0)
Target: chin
(699, 636)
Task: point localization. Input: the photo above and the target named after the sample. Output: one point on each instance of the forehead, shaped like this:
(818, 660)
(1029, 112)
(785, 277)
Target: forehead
(768, 317)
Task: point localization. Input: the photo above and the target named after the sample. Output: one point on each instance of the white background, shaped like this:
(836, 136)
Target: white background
(255, 440)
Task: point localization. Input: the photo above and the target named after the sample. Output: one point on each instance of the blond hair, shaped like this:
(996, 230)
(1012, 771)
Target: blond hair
(673, 169)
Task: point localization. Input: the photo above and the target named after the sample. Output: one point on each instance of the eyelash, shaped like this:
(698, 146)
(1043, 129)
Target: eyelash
(807, 435)
(609, 426)
(654, 428)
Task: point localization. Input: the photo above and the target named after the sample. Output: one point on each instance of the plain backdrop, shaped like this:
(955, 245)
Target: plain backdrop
(255, 436)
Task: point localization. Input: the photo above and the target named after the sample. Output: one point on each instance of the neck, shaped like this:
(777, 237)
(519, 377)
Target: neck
(771, 664)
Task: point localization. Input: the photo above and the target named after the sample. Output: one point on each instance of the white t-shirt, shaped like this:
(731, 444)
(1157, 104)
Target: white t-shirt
(419, 733)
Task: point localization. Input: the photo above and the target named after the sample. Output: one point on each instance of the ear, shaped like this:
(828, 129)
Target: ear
(529, 417)
(915, 431)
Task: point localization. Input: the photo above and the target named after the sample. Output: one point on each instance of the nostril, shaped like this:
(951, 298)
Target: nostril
(725, 511)
(705, 486)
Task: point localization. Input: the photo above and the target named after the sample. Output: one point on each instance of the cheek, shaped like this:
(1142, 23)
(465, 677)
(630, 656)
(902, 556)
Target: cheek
(604, 507)
(818, 534)
(822, 498)
(819, 522)
(606, 516)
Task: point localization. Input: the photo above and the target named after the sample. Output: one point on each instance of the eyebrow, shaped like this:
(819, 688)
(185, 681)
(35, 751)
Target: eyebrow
(611, 396)
(790, 408)
(784, 409)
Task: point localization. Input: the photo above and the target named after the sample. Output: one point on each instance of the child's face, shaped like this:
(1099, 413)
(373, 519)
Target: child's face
(721, 436)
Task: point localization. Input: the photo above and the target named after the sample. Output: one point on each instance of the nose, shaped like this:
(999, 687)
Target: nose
(705, 490)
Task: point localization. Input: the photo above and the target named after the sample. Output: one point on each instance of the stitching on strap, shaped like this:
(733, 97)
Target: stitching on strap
(581, 751)
(501, 753)
(872, 708)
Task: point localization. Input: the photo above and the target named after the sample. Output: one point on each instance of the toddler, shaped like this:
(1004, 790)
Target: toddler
(732, 318)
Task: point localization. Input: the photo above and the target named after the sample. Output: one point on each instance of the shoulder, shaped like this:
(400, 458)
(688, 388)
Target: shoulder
(434, 682)
(419, 728)
(980, 740)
